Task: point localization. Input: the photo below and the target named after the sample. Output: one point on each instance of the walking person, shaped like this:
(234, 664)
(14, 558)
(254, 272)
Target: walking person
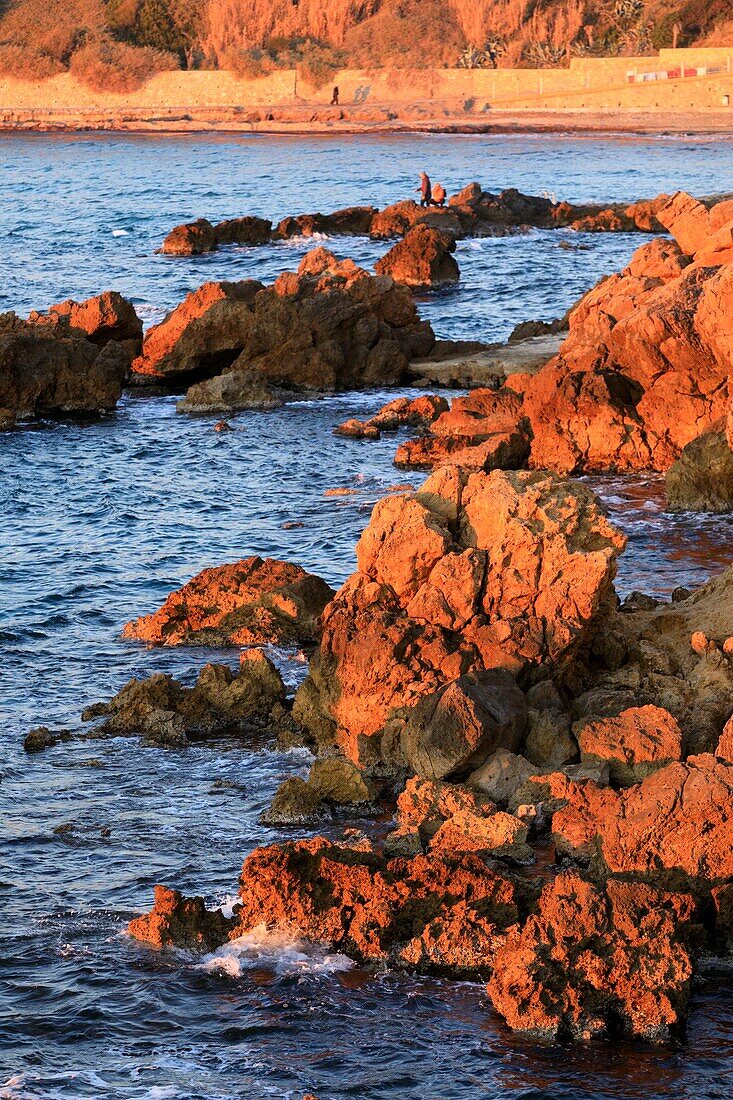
(425, 189)
(335, 97)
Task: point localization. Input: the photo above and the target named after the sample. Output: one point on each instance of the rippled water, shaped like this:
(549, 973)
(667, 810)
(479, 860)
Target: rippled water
(99, 522)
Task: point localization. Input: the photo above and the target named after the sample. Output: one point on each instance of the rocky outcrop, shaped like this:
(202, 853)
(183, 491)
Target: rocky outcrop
(331, 326)
(485, 430)
(250, 602)
(243, 231)
(644, 370)
(676, 656)
(422, 259)
(472, 212)
(353, 221)
(675, 827)
(430, 913)
(475, 571)
(701, 479)
(402, 412)
(48, 370)
(196, 238)
(203, 335)
(191, 239)
(164, 712)
(597, 962)
(105, 317)
(176, 921)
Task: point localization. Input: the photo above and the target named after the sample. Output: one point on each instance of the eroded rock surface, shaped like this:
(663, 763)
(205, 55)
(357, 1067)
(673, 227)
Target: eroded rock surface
(330, 326)
(251, 602)
(163, 711)
(46, 369)
(643, 372)
(593, 962)
(473, 572)
(422, 259)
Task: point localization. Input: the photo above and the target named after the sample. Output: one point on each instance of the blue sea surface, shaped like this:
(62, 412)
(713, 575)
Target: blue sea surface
(101, 519)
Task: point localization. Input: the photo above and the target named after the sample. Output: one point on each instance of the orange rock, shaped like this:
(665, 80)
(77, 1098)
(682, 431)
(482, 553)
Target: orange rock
(636, 743)
(591, 962)
(700, 643)
(175, 921)
(211, 323)
(191, 239)
(428, 912)
(582, 806)
(105, 317)
(402, 411)
(678, 821)
(724, 749)
(328, 326)
(250, 602)
(472, 572)
(687, 219)
(426, 804)
(422, 259)
(500, 834)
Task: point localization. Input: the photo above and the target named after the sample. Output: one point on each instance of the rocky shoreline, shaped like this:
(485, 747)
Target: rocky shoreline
(556, 767)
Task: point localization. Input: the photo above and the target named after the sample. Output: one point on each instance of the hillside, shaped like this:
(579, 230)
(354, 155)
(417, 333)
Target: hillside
(116, 44)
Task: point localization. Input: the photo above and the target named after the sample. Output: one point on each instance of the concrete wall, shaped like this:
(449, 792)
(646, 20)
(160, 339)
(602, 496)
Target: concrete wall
(588, 82)
(169, 90)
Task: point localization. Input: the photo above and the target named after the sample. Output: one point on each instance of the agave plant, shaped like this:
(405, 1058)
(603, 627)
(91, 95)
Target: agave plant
(638, 39)
(544, 55)
(473, 58)
(627, 12)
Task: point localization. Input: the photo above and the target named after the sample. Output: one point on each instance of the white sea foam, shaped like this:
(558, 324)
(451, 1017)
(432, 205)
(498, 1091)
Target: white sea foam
(303, 239)
(120, 233)
(279, 951)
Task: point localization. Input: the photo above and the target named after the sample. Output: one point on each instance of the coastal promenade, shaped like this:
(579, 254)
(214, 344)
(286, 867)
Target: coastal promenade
(678, 90)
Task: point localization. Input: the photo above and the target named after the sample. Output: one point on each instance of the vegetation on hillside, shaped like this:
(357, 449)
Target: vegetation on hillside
(117, 44)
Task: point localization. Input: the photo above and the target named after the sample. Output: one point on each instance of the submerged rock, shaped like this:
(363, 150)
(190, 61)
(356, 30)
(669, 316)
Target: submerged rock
(250, 602)
(36, 740)
(231, 392)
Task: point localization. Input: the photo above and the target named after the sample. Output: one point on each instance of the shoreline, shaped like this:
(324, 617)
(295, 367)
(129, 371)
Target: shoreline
(699, 123)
